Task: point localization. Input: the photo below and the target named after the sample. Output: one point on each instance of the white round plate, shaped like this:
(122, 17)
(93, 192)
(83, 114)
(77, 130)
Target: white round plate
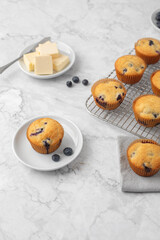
(153, 19)
(63, 48)
(43, 162)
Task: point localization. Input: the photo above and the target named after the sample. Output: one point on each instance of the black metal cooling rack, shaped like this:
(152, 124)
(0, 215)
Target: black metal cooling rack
(123, 116)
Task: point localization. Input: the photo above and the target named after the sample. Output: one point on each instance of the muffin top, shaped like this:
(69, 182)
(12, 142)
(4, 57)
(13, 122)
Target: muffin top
(130, 65)
(108, 90)
(156, 78)
(45, 131)
(148, 46)
(147, 106)
(144, 154)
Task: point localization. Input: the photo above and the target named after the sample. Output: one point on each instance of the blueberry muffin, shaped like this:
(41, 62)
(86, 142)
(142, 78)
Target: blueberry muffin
(144, 157)
(130, 68)
(45, 135)
(148, 49)
(155, 82)
(147, 110)
(108, 93)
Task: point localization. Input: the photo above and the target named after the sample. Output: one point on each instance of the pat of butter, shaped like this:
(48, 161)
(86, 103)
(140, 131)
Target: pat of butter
(60, 62)
(43, 65)
(48, 48)
(29, 60)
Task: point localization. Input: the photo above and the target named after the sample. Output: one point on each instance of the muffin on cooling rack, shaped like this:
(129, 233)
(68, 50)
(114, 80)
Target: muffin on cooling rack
(147, 110)
(108, 93)
(148, 49)
(45, 135)
(130, 68)
(155, 82)
(144, 157)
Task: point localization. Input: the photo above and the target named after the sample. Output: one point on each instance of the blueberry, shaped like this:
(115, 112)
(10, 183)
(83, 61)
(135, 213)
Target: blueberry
(68, 151)
(158, 16)
(45, 123)
(130, 65)
(85, 82)
(155, 115)
(151, 43)
(115, 87)
(120, 87)
(158, 24)
(69, 84)
(119, 97)
(124, 70)
(123, 94)
(142, 67)
(75, 79)
(55, 157)
(147, 169)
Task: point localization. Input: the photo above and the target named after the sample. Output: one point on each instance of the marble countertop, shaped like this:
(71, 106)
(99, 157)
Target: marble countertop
(82, 201)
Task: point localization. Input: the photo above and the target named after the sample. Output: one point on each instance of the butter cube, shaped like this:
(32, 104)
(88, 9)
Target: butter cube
(29, 60)
(43, 65)
(60, 63)
(37, 51)
(48, 48)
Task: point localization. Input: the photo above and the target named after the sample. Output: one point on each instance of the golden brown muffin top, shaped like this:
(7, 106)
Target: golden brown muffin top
(144, 155)
(148, 46)
(108, 90)
(130, 65)
(147, 106)
(156, 79)
(45, 130)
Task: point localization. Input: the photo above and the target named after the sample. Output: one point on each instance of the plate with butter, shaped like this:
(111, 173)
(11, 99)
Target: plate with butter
(49, 60)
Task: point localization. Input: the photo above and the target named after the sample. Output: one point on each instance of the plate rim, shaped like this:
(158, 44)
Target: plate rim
(151, 19)
(48, 169)
(49, 76)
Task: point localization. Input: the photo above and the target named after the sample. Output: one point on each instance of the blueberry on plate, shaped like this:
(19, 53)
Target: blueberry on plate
(55, 157)
(158, 16)
(69, 84)
(158, 24)
(75, 79)
(85, 82)
(68, 151)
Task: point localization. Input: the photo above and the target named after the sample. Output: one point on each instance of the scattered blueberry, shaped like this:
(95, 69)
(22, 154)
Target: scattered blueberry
(75, 79)
(69, 84)
(85, 82)
(151, 43)
(68, 151)
(55, 157)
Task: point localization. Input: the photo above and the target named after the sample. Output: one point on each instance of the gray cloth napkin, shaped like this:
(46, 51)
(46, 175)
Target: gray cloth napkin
(130, 181)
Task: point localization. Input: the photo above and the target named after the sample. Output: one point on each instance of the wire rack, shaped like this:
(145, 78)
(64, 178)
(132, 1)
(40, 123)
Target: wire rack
(123, 116)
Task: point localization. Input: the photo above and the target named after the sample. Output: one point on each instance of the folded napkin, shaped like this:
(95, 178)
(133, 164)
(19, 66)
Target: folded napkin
(130, 181)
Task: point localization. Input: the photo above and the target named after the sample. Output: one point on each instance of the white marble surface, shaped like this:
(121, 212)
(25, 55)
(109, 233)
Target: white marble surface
(82, 201)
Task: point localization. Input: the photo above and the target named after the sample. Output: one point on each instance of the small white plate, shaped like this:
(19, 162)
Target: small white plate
(63, 48)
(43, 162)
(153, 19)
